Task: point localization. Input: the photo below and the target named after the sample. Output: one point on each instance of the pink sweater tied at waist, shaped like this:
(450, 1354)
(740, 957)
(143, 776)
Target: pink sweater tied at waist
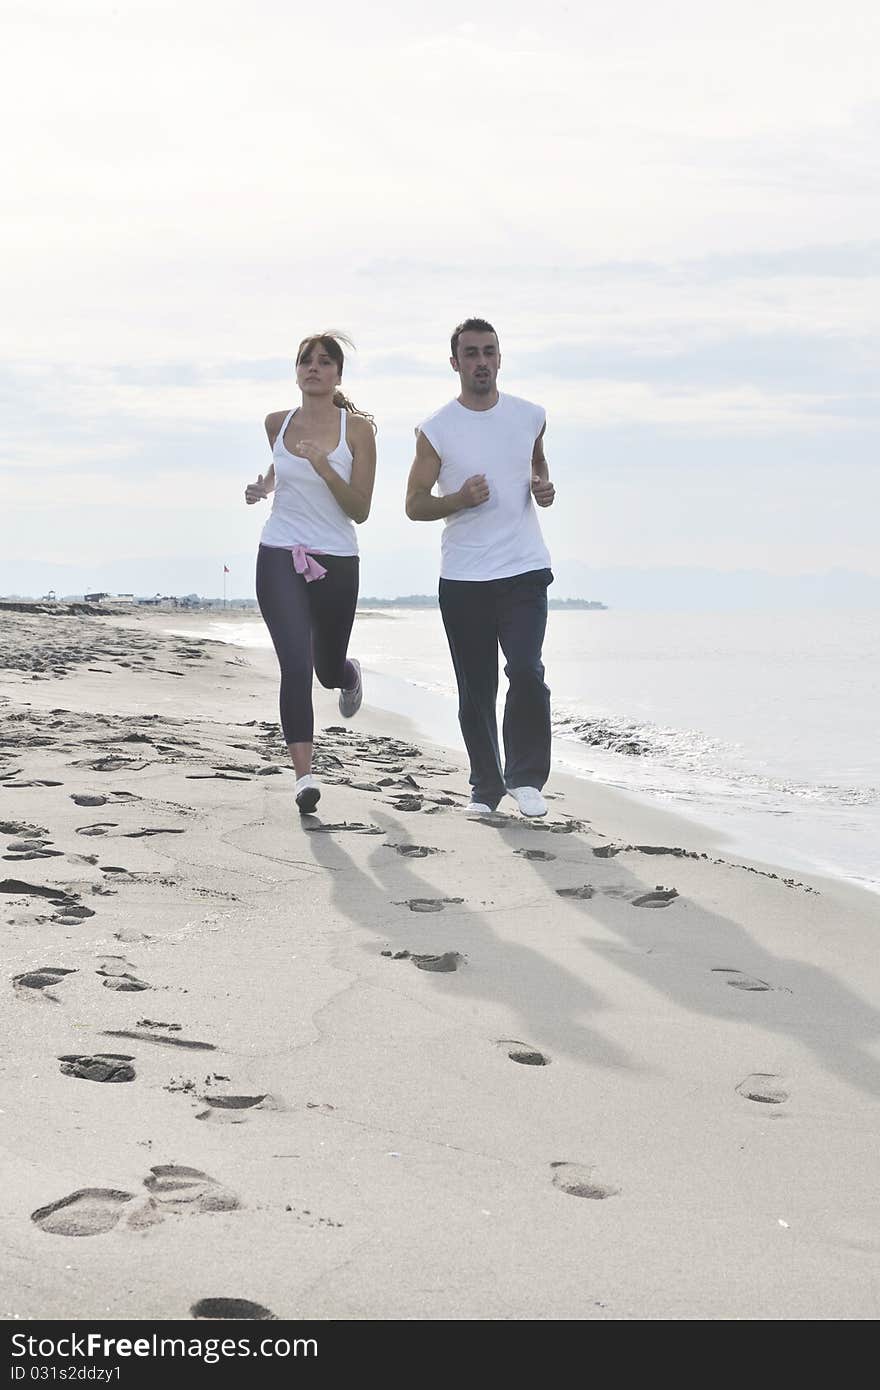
(304, 563)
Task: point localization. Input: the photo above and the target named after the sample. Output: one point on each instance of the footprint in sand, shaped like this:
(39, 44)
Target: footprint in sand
(356, 826)
(523, 1053)
(235, 1110)
(558, 827)
(763, 1086)
(661, 897)
(188, 1189)
(445, 964)
(36, 847)
(113, 764)
(235, 1102)
(449, 961)
(34, 852)
(113, 965)
(84, 799)
(72, 915)
(579, 1180)
(33, 782)
(493, 818)
(115, 970)
(152, 830)
(188, 1043)
(43, 977)
(20, 888)
(414, 851)
(20, 827)
(98, 827)
(737, 980)
(90, 1211)
(127, 983)
(231, 1309)
(541, 854)
(586, 890)
(100, 1066)
(427, 904)
(215, 777)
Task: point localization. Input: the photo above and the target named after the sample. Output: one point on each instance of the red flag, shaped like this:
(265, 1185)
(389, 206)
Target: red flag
(225, 569)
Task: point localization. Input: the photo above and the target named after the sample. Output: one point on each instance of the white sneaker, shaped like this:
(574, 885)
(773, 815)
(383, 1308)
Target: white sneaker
(350, 700)
(478, 808)
(307, 793)
(529, 800)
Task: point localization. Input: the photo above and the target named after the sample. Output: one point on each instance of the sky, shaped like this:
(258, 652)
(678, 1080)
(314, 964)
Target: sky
(670, 212)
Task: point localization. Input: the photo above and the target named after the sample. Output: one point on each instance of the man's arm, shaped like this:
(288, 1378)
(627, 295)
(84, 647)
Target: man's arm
(421, 505)
(543, 490)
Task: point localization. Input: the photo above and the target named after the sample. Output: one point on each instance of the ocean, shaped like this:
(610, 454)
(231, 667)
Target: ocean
(762, 726)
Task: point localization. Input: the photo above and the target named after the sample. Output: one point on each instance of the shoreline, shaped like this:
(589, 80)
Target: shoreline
(379, 1061)
(739, 832)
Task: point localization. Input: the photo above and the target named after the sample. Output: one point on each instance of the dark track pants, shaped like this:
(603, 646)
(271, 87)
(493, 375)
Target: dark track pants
(480, 616)
(310, 625)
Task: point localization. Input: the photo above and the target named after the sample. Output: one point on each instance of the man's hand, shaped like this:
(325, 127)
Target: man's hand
(543, 491)
(256, 492)
(474, 492)
(316, 457)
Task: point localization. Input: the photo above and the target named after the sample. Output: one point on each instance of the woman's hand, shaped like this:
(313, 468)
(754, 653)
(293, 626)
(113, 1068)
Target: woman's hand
(256, 492)
(316, 457)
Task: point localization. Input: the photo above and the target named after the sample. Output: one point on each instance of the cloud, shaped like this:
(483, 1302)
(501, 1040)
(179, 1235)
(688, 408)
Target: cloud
(671, 212)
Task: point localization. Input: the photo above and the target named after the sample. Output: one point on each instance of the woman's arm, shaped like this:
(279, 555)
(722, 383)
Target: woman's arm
(258, 491)
(354, 497)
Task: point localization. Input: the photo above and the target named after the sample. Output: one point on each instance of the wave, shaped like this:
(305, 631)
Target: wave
(690, 752)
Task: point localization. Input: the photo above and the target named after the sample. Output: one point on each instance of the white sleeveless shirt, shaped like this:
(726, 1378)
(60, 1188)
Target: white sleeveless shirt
(304, 510)
(502, 536)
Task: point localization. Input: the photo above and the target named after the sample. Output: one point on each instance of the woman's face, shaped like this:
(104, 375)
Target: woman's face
(316, 372)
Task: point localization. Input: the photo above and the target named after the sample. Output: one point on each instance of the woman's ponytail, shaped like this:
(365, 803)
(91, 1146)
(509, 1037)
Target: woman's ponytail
(340, 399)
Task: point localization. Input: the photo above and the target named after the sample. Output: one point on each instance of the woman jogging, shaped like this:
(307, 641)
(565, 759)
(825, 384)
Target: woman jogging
(322, 473)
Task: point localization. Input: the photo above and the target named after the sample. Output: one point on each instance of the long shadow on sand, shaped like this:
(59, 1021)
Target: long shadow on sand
(694, 956)
(551, 1001)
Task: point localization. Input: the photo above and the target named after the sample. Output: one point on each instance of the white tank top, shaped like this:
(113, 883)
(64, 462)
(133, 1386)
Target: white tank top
(304, 510)
(502, 536)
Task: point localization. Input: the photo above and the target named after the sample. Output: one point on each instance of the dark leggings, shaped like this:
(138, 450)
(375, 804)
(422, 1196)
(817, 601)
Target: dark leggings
(310, 625)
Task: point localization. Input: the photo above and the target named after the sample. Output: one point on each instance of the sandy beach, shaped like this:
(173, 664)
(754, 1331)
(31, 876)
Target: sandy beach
(386, 1062)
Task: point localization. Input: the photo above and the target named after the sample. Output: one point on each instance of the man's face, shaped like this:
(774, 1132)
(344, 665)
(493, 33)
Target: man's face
(477, 361)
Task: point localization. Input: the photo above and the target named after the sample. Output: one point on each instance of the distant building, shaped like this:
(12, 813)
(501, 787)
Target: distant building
(94, 598)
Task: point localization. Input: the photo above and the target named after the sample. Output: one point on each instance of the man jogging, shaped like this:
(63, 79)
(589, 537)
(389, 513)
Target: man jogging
(485, 453)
